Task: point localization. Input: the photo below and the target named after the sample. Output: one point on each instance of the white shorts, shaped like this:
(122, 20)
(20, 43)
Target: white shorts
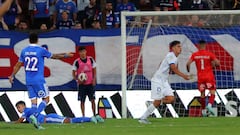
(160, 89)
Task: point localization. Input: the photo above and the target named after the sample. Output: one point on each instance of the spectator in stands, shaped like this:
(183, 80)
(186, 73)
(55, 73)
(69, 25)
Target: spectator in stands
(198, 5)
(77, 25)
(65, 5)
(90, 13)
(41, 13)
(96, 24)
(167, 5)
(145, 5)
(125, 5)
(82, 4)
(212, 4)
(3, 25)
(195, 21)
(22, 25)
(11, 17)
(112, 18)
(43, 27)
(26, 7)
(64, 22)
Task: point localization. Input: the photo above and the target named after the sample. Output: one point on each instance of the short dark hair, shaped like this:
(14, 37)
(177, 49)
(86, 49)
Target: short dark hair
(174, 43)
(33, 37)
(202, 41)
(20, 103)
(81, 48)
(108, 1)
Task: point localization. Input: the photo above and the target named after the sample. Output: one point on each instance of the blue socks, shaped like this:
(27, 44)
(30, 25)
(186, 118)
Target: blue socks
(40, 108)
(80, 120)
(34, 107)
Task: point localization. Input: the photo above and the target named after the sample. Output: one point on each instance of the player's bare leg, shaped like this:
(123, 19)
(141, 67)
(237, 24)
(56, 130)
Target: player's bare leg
(93, 107)
(83, 108)
(203, 103)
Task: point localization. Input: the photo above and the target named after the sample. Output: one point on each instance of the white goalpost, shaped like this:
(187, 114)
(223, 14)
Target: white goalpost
(145, 43)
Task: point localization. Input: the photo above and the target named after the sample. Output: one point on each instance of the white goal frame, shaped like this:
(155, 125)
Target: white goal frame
(124, 14)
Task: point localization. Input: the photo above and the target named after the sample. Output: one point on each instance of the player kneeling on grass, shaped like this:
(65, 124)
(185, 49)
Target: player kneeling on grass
(161, 91)
(52, 117)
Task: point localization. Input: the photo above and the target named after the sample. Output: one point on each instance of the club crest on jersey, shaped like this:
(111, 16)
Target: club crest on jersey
(41, 93)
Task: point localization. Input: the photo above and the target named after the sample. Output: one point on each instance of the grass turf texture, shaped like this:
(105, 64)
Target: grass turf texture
(164, 126)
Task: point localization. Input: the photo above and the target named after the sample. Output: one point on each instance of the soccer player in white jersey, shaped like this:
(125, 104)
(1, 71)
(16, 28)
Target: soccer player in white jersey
(32, 57)
(161, 91)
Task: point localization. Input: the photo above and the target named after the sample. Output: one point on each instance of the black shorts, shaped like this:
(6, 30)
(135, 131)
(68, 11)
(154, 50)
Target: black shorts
(84, 91)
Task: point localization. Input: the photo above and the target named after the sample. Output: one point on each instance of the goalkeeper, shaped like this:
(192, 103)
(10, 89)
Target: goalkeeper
(205, 62)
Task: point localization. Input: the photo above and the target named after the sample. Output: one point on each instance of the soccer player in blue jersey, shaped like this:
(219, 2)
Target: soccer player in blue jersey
(32, 57)
(52, 117)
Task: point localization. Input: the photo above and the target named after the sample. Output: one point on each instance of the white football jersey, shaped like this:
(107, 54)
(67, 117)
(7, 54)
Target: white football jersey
(162, 73)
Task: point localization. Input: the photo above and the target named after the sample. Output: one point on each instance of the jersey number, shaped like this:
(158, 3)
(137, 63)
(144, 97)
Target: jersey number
(202, 64)
(31, 64)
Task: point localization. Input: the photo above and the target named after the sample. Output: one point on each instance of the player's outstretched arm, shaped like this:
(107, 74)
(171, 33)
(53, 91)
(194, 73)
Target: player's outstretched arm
(20, 120)
(5, 7)
(174, 68)
(61, 55)
(15, 70)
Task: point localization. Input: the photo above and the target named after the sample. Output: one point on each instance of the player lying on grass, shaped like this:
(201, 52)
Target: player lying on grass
(51, 118)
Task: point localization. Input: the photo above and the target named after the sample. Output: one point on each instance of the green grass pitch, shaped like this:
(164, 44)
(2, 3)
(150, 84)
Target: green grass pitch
(164, 126)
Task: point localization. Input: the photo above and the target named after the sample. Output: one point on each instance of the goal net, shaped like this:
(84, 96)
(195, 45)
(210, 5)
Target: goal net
(145, 42)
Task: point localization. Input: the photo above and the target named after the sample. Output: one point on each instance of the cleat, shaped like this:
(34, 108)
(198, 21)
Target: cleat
(210, 109)
(99, 118)
(144, 121)
(93, 119)
(40, 127)
(34, 121)
(204, 113)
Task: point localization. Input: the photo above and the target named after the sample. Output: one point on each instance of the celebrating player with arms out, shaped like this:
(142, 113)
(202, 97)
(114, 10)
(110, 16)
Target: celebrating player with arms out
(32, 57)
(161, 91)
(205, 61)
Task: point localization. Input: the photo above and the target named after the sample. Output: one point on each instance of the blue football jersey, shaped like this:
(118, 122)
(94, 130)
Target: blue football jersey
(33, 59)
(27, 112)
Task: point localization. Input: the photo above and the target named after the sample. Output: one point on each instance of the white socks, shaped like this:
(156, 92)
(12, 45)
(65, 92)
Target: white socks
(149, 111)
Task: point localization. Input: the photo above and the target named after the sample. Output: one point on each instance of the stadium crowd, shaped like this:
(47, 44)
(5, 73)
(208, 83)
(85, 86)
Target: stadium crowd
(101, 14)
